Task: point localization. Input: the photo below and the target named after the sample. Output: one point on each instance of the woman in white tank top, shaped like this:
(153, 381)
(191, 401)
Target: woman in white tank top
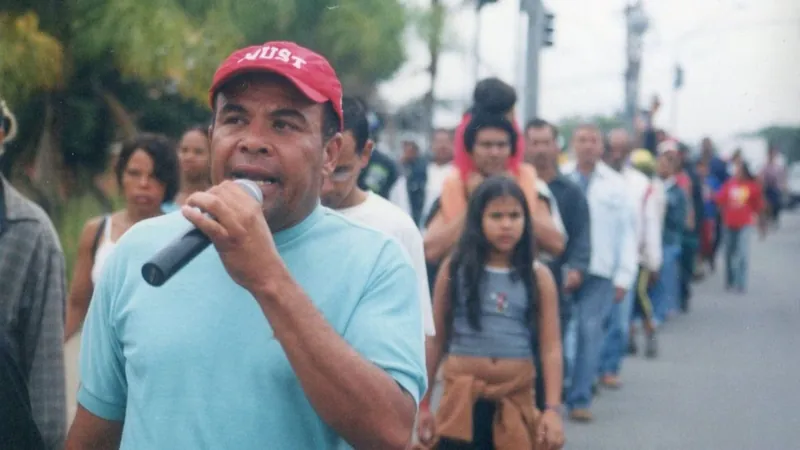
(147, 173)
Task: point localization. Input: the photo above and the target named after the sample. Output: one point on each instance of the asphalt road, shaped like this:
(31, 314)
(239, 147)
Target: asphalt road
(728, 374)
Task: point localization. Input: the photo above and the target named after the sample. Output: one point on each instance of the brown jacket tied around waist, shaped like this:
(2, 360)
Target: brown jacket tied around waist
(507, 382)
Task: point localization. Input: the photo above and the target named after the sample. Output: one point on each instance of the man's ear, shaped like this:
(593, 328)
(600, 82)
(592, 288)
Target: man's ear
(330, 154)
(367, 153)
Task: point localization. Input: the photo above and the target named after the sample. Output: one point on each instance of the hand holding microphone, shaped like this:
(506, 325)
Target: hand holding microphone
(231, 218)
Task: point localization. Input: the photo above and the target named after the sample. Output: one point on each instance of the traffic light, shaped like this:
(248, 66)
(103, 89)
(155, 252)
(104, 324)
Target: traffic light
(547, 29)
(482, 3)
(678, 82)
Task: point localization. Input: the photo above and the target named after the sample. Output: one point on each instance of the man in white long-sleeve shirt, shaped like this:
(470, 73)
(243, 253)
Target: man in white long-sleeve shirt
(647, 232)
(613, 263)
(650, 251)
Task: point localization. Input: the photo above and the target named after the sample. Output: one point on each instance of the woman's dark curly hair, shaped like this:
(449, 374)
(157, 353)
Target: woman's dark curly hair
(473, 250)
(165, 160)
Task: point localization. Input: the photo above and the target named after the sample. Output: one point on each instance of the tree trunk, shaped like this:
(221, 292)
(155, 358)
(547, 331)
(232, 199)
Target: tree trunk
(434, 48)
(47, 171)
(126, 124)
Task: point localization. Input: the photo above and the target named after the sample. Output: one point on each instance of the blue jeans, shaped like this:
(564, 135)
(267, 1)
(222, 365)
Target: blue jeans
(737, 255)
(667, 289)
(616, 343)
(592, 306)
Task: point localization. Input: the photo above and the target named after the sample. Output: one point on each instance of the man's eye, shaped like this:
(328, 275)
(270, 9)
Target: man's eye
(283, 125)
(233, 120)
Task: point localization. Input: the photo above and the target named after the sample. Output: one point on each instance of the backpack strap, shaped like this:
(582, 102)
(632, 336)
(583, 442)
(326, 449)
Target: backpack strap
(98, 235)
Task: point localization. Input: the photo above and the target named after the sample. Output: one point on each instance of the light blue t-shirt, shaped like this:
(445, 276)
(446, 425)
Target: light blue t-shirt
(169, 207)
(194, 364)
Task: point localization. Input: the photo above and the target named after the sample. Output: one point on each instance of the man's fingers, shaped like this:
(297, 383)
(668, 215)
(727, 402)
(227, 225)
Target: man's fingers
(208, 226)
(220, 206)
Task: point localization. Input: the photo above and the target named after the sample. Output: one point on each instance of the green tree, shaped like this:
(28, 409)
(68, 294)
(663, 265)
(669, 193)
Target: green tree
(82, 73)
(68, 61)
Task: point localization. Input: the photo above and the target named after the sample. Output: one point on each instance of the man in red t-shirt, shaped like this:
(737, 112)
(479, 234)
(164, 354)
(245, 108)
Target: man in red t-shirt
(740, 201)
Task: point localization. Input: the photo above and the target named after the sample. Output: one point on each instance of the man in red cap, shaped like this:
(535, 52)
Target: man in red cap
(297, 329)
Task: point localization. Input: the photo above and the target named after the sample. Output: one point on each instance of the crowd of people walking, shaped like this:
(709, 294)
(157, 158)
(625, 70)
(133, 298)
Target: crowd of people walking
(534, 274)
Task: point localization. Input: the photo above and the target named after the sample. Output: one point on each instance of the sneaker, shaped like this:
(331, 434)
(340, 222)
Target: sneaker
(651, 350)
(632, 348)
(610, 381)
(582, 415)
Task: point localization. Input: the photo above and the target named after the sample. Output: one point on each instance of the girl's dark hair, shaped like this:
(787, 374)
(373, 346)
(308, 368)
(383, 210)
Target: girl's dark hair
(202, 129)
(483, 120)
(493, 96)
(165, 160)
(473, 250)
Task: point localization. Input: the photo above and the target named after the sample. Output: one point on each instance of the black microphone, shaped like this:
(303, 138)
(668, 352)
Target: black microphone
(179, 252)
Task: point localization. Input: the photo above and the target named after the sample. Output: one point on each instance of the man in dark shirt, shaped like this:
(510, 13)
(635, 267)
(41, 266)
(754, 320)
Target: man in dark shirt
(570, 267)
(542, 151)
(380, 174)
(691, 239)
(416, 173)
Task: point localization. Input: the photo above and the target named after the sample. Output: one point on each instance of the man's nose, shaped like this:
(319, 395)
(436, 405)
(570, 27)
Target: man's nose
(254, 142)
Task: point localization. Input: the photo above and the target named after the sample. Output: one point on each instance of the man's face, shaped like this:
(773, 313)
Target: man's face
(540, 147)
(337, 187)
(619, 147)
(702, 169)
(268, 131)
(193, 155)
(707, 147)
(442, 147)
(410, 152)
(588, 145)
(665, 164)
(491, 152)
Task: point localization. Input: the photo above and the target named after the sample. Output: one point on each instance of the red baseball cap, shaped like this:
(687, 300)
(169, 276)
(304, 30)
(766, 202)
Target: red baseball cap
(310, 72)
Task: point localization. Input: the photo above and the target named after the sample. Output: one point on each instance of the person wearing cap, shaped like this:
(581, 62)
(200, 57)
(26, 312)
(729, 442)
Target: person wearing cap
(650, 252)
(298, 329)
(667, 289)
(33, 398)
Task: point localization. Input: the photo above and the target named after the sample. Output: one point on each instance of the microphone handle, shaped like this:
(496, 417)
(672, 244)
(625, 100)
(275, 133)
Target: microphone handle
(173, 257)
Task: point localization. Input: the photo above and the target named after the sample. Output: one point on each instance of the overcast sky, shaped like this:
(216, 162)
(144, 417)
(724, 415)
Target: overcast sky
(739, 58)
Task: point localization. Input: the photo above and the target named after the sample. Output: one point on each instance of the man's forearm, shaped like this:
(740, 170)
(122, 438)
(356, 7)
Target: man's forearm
(441, 237)
(547, 235)
(356, 398)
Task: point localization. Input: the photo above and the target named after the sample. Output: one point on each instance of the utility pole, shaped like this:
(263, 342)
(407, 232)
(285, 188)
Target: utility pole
(677, 84)
(535, 11)
(476, 43)
(636, 22)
